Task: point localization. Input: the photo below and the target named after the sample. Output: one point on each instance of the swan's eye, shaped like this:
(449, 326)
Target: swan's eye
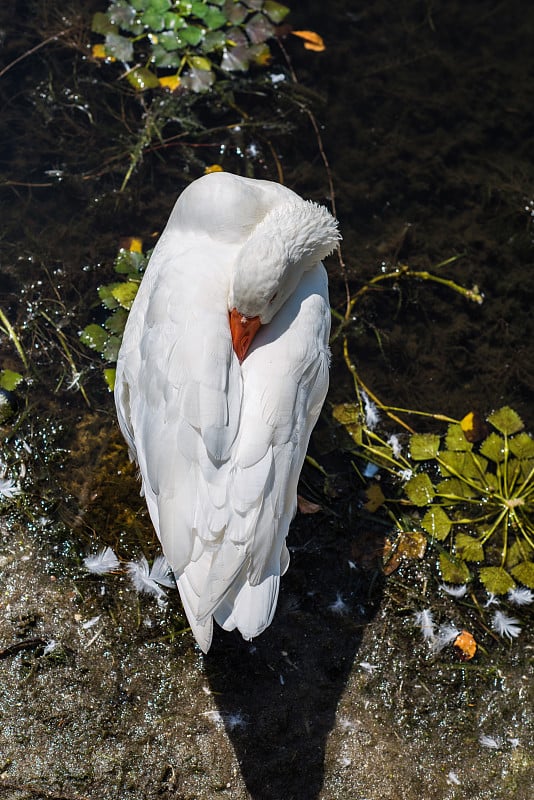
(273, 298)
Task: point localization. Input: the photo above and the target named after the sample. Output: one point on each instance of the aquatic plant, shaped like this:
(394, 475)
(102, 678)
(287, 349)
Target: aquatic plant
(117, 298)
(190, 41)
(470, 492)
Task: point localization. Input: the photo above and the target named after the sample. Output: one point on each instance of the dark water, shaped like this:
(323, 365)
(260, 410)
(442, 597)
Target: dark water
(425, 111)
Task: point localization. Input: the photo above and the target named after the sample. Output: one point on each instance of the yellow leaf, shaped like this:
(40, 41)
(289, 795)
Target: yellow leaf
(133, 244)
(474, 427)
(99, 51)
(312, 41)
(375, 498)
(213, 168)
(170, 82)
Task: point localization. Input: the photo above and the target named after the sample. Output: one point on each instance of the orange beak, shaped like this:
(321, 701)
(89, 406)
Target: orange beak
(243, 330)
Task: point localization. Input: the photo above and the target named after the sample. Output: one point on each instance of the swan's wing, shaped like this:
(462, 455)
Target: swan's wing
(285, 379)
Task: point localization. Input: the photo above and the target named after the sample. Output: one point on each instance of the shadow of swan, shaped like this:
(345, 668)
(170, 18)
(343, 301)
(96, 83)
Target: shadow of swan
(278, 695)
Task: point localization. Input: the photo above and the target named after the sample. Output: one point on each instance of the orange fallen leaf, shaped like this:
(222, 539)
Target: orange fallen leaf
(312, 41)
(99, 51)
(465, 645)
(213, 168)
(170, 82)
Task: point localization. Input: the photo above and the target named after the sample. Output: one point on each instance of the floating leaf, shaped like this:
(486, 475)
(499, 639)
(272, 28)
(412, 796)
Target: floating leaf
(424, 446)
(375, 498)
(524, 573)
(95, 337)
(455, 438)
(419, 489)
(348, 414)
(9, 380)
(409, 545)
(141, 78)
(102, 24)
(124, 293)
(517, 552)
(468, 548)
(493, 447)
(436, 523)
(109, 376)
(192, 35)
(111, 348)
(170, 82)
(199, 62)
(466, 645)
(454, 489)
(106, 295)
(116, 322)
(130, 262)
(259, 29)
(99, 51)
(453, 571)
(473, 427)
(275, 11)
(496, 580)
(119, 47)
(522, 446)
(506, 420)
(312, 40)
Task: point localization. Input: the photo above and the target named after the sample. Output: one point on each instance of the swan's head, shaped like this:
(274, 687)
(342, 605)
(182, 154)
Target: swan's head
(290, 239)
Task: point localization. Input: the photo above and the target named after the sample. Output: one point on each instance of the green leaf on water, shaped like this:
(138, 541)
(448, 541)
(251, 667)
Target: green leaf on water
(116, 322)
(493, 448)
(109, 376)
(436, 523)
(275, 11)
(9, 380)
(522, 446)
(468, 548)
(124, 293)
(506, 420)
(141, 78)
(102, 24)
(524, 573)
(455, 438)
(424, 446)
(453, 571)
(496, 580)
(95, 337)
(119, 47)
(419, 490)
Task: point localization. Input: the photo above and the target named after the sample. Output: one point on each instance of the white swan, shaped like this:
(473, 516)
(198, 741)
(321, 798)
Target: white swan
(219, 424)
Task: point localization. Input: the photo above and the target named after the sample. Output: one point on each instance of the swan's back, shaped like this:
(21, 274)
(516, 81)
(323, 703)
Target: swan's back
(220, 444)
